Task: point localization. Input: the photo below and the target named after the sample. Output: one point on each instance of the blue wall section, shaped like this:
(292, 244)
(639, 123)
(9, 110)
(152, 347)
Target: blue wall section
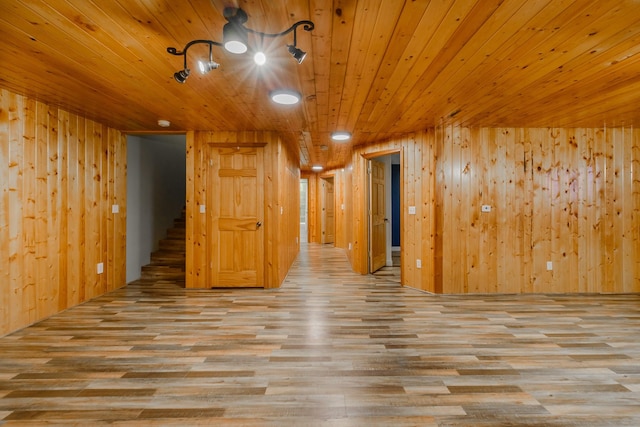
(395, 205)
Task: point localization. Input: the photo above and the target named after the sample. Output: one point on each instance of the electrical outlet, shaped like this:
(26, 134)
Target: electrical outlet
(412, 210)
(115, 208)
(203, 208)
(100, 268)
(549, 265)
(349, 245)
(418, 263)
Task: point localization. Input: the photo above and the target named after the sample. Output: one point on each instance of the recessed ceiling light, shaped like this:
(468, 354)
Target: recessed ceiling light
(316, 167)
(164, 123)
(340, 136)
(285, 97)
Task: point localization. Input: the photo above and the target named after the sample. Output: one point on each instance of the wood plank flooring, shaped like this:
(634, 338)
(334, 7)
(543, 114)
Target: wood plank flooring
(328, 348)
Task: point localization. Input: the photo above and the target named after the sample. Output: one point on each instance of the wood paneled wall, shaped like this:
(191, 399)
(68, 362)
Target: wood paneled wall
(565, 196)
(417, 189)
(313, 214)
(288, 183)
(570, 197)
(282, 204)
(342, 217)
(60, 176)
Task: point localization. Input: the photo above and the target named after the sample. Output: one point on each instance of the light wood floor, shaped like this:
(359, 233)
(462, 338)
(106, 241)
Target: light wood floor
(328, 348)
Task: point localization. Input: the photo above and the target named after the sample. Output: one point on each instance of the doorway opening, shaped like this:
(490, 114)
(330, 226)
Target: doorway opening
(156, 196)
(328, 216)
(384, 214)
(304, 210)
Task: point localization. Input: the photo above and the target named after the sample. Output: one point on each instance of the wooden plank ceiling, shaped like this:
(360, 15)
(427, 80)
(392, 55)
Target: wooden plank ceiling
(374, 67)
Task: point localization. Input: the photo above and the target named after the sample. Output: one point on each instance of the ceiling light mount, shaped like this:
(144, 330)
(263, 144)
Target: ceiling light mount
(236, 40)
(341, 136)
(285, 96)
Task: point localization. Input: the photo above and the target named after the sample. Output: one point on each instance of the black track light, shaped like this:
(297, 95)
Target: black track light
(298, 54)
(235, 36)
(235, 39)
(181, 76)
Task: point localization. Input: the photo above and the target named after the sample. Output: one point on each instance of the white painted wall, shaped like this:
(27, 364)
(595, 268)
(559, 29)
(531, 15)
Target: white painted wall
(156, 193)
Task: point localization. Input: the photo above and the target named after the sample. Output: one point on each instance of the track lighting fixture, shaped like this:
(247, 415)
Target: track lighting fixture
(235, 38)
(181, 76)
(234, 35)
(210, 64)
(298, 54)
(206, 66)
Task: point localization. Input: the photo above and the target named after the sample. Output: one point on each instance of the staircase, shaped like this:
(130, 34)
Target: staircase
(168, 262)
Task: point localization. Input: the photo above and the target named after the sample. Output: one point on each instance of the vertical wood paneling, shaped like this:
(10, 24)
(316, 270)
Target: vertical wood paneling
(312, 199)
(191, 208)
(615, 216)
(16, 259)
(119, 159)
(5, 191)
(428, 280)
(277, 156)
(418, 180)
(47, 302)
(348, 210)
(30, 289)
(288, 210)
(69, 290)
(66, 136)
(634, 178)
(52, 231)
(458, 278)
(559, 195)
(599, 210)
(414, 180)
(339, 189)
(568, 196)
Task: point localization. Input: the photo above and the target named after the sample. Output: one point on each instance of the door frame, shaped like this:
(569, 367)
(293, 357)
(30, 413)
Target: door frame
(323, 203)
(367, 202)
(212, 213)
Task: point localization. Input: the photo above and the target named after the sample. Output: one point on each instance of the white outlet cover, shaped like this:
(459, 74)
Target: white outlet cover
(419, 263)
(412, 210)
(115, 208)
(100, 268)
(486, 208)
(203, 208)
(549, 265)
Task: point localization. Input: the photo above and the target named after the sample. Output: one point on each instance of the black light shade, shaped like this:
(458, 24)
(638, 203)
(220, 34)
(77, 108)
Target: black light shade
(298, 54)
(235, 38)
(181, 76)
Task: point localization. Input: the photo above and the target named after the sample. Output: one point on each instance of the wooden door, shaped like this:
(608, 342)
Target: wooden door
(236, 202)
(328, 211)
(377, 220)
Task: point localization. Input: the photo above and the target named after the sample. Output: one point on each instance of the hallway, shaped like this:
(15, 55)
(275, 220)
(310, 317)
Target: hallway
(329, 347)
